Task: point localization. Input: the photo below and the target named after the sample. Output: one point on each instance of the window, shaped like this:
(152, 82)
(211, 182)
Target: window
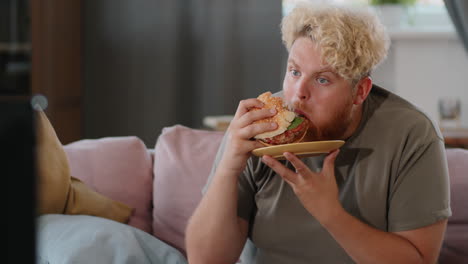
(424, 15)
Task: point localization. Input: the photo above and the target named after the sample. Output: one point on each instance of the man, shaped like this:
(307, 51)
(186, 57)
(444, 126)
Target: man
(382, 198)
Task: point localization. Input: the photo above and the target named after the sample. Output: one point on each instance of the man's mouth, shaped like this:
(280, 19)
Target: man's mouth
(301, 113)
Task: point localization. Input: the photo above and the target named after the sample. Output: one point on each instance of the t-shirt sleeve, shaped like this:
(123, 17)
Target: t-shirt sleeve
(420, 195)
(246, 186)
(216, 161)
(246, 191)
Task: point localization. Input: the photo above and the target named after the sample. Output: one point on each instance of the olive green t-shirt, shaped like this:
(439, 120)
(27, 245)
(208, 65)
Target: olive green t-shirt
(392, 175)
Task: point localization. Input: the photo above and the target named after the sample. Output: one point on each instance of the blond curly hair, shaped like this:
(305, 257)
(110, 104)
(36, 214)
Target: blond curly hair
(352, 40)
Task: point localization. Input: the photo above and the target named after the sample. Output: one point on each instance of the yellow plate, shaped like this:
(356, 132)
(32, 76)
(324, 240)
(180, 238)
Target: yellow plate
(304, 149)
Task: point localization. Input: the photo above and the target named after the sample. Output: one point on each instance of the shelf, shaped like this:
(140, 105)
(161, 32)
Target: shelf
(455, 137)
(15, 47)
(8, 98)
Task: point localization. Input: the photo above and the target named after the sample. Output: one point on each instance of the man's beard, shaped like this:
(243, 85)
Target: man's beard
(336, 128)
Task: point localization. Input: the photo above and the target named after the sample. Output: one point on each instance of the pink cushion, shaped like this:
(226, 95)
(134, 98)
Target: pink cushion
(455, 247)
(119, 168)
(183, 159)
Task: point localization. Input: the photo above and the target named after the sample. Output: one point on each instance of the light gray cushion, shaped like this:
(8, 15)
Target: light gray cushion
(89, 239)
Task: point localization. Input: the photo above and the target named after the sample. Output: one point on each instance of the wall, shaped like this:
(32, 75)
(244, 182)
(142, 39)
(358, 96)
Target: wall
(151, 64)
(425, 66)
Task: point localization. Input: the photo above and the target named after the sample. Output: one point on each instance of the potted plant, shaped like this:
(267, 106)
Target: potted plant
(392, 12)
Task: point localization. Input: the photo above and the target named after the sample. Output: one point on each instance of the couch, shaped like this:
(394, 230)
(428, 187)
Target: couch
(164, 186)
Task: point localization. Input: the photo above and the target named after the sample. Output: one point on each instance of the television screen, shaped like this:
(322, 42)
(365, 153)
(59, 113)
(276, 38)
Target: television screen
(17, 141)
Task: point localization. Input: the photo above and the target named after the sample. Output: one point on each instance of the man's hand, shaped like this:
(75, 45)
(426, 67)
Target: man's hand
(318, 192)
(240, 132)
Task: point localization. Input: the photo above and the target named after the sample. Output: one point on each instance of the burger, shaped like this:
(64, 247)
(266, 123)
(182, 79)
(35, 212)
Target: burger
(291, 127)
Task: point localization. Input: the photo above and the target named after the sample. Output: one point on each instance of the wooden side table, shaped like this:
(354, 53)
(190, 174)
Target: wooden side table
(218, 123)
(455, 137)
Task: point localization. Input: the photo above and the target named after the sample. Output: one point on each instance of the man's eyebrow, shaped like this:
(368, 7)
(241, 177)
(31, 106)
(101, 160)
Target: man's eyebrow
(326, 69)
(319, 71)
(291, 60)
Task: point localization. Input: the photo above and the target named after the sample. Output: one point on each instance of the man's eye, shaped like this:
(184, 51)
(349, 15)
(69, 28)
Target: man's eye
(322, 80)
(295, 73)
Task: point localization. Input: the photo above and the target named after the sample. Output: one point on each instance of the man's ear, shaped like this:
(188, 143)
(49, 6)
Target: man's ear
(363, 88)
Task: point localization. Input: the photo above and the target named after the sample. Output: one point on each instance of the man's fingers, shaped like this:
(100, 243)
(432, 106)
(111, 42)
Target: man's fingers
(246, 105)
(300, 167)
(288, 175)
(329, 162)
(254, 115)
(252, 130)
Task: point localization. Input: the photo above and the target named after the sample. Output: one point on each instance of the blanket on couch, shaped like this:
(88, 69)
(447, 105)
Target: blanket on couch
(102, 241)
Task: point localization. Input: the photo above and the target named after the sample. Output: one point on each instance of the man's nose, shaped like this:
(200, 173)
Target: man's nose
(302, 91)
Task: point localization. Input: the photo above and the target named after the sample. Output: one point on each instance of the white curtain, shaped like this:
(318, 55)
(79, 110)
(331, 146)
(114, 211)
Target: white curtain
(458, 10)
